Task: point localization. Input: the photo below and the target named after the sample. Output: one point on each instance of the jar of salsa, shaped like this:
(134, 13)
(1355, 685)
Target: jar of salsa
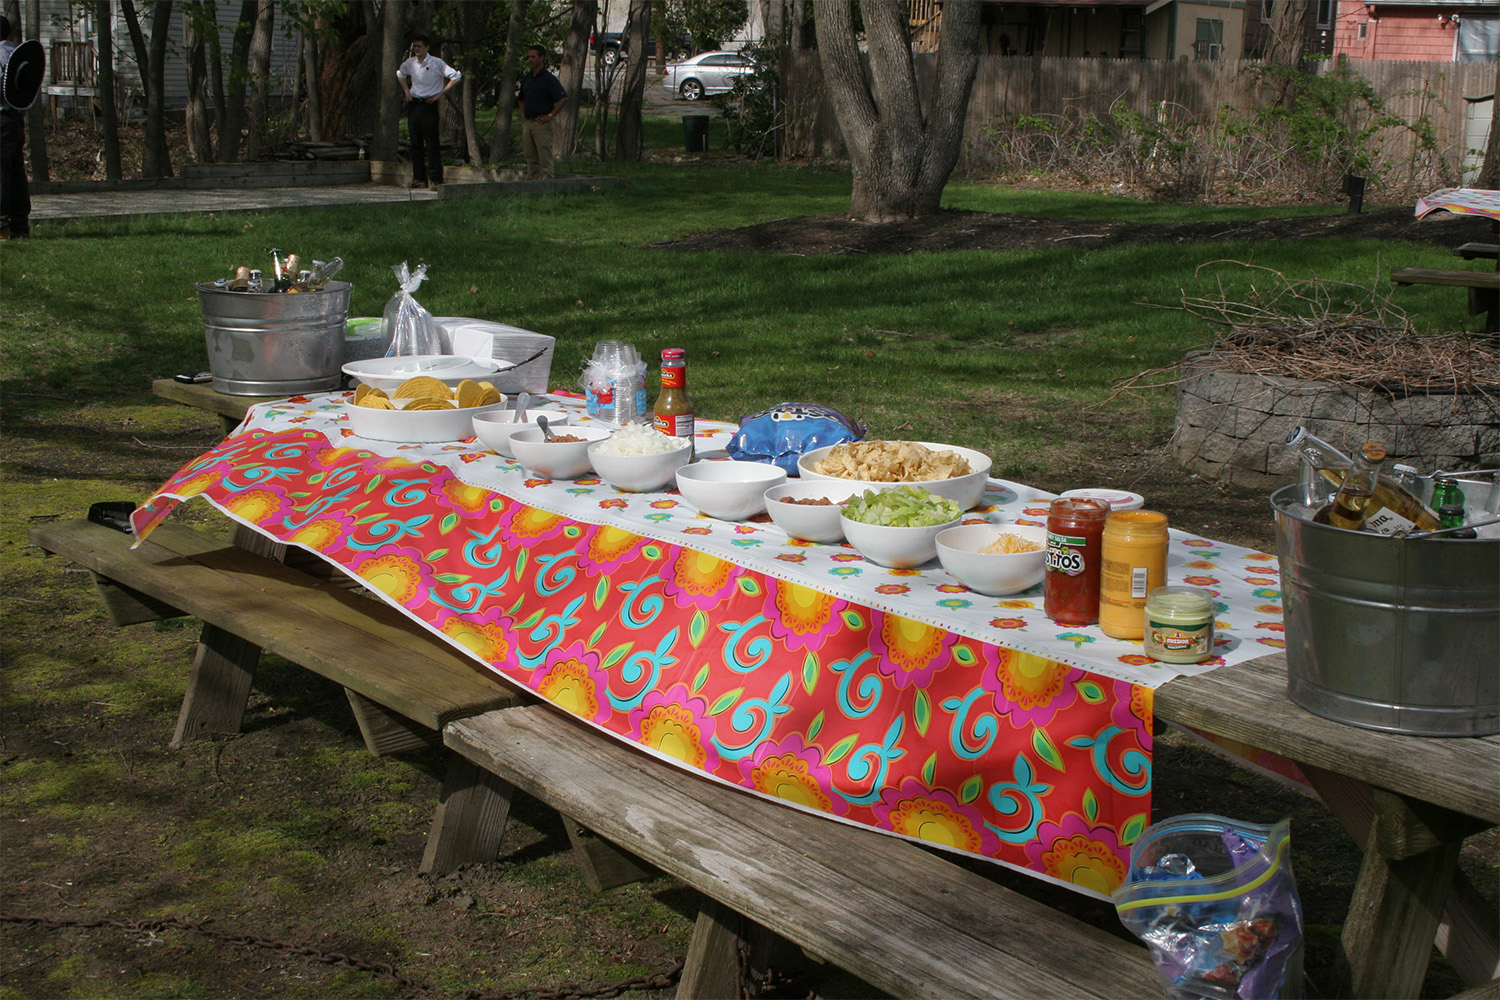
(1075, 540)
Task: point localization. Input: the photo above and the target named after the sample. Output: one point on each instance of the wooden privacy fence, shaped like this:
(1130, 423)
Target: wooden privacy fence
(1006, 86)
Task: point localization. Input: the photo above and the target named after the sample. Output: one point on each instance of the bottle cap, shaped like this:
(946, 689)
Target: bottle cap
(1399, 467)
(673, 354)
(1373, 452)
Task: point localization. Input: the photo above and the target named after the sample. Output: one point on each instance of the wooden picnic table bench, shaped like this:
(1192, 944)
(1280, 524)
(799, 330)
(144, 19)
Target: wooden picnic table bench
(901, 917)
(1483, 286)
(402, 684)
(1477, 251)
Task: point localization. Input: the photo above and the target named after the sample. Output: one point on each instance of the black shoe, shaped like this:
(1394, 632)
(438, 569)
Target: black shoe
(417, 184)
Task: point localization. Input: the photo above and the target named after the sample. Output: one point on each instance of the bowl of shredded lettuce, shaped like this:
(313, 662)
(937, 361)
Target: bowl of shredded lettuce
(898, 527)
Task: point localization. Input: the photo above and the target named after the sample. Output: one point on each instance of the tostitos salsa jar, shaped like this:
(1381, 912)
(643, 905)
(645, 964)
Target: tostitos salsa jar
(1075, 538)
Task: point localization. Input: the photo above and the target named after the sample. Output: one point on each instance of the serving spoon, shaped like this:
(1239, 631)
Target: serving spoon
(518, 412)
(541, 422)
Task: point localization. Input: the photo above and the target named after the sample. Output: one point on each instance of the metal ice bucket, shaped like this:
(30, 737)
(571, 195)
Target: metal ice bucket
(275, 345)
(1396, 634)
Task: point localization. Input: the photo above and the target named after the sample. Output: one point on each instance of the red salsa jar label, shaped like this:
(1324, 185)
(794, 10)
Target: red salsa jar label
(1075, 542)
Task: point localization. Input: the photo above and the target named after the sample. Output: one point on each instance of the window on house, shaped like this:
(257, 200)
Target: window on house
(1209, 42)
(1364, 30)
(1478, 38)
(1325, 14)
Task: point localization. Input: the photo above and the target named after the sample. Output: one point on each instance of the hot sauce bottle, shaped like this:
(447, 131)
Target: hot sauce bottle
(673, 413)
(1075, 540)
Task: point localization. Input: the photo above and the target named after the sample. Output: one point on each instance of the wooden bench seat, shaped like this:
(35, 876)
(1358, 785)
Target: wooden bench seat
(1477, 251)
(402, 684)
(900, 917)
(1483, 286)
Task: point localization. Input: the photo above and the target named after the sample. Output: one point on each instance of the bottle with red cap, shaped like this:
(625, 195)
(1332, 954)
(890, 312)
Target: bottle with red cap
(673, 412)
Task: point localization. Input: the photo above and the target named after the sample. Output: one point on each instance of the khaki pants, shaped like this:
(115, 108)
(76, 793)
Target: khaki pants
(536, 146)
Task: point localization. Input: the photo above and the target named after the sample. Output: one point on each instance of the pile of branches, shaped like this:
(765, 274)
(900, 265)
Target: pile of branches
(1337, 333)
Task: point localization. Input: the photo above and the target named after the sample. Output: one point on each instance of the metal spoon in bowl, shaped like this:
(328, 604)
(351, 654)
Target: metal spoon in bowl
(541, 422)
(518, 412)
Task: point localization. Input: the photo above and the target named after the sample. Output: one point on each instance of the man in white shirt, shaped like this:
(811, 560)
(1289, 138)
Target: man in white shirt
(425, 79)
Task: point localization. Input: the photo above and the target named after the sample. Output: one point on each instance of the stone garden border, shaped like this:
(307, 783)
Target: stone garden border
(1231, 427)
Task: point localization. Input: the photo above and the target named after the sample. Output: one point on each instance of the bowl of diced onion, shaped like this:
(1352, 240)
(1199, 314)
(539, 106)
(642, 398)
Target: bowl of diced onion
(638, 458)
(898, 527)
(992, 559)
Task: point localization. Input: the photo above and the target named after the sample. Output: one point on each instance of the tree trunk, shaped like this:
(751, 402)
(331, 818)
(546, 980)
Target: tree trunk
(775, 23)
(575, 57)
(505, 111)
(471, 18)
(799, 24)
(314, 85)
(216, 74)
(36, 118)
(1288, 43)
(104, 35)
(633, 93)
(385, 145)
(1489, 171)
(239, 71)
(155, 160)
(199, 23)
(900, 158)
(260, 78)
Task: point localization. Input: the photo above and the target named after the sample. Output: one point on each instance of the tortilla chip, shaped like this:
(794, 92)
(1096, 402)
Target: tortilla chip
(429, 403)
(374, 402)
(422, 385)
(468, 393)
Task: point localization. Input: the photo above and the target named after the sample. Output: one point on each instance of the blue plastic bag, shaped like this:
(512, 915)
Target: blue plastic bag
(781, 434)
(1216, 902)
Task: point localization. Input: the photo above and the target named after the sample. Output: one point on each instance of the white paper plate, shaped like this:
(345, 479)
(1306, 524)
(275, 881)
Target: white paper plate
(450, 369)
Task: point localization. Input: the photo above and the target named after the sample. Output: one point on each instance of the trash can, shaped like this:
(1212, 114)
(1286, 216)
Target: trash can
(695, 132)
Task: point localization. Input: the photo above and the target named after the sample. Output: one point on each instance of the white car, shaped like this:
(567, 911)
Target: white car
(709, 73)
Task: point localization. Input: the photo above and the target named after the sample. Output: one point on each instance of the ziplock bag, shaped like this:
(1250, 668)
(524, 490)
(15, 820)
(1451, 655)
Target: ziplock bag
(781, 434)
(1216, 902)
(409, 328)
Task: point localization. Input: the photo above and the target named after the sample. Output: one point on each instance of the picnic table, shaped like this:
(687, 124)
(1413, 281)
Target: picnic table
(1408, 801)
(1483, 287)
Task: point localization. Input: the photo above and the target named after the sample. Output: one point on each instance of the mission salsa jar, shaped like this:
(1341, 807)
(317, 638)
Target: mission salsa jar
(1075, 540)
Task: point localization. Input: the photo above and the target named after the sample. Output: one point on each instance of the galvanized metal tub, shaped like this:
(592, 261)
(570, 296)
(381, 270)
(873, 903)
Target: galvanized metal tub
(1395, 634)
(275, 345)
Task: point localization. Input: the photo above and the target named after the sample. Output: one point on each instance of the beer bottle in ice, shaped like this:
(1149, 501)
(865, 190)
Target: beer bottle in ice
(1353, 498)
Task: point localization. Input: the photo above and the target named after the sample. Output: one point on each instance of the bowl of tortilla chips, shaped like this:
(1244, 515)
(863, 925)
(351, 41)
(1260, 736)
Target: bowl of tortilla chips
(420, 410)
(945, 469)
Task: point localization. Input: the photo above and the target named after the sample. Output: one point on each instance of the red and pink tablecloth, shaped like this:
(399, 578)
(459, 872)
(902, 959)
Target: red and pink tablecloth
(893, 699)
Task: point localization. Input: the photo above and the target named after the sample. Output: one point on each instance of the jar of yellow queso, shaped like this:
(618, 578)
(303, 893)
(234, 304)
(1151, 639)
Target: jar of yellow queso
(1179, 625)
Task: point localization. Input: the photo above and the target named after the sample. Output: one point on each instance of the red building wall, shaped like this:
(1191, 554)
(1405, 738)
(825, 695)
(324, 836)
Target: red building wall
(1394, 31)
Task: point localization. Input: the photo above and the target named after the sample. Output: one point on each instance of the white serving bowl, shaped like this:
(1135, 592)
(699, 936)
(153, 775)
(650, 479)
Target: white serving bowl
(896, 547)
(639, 473)
(731, 491)
(994, 574)
(416, 427)
(811, 522)
(555, 459)
(967, 490)
(494, 427)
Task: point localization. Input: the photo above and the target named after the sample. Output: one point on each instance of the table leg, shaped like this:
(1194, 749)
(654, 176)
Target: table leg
(470, 818)
(730, 955)
(604, 866)
(1469, 932)
(218, 687)
(1410, 858)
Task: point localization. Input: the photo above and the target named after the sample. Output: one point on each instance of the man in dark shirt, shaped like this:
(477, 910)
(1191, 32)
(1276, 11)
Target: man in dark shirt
(542, 97)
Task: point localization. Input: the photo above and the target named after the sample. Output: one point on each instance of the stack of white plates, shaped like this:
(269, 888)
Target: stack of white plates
(462, 335)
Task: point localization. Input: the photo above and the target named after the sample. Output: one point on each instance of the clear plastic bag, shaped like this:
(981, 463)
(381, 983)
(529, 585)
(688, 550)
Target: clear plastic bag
(1216, 902)
(408, 327)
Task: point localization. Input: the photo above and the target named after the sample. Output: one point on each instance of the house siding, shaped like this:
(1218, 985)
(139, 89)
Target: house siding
(1401, 32)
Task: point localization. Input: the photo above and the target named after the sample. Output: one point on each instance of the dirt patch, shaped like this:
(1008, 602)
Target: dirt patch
(835, 234)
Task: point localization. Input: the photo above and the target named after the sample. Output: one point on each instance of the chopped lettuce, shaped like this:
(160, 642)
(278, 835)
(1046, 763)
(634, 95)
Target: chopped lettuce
(902, 507)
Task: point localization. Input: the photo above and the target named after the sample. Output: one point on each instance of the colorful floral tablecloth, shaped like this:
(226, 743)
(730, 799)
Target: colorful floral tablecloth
(1462, 201)
(894, 699)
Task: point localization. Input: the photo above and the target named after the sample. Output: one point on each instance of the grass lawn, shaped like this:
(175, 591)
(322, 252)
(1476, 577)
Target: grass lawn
(291, 829)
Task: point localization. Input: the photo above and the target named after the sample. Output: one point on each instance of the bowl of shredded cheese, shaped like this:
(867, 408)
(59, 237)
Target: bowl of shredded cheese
(992, 559)
(638, 458)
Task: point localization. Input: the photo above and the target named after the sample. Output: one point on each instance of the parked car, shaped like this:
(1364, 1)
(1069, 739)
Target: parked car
(709, 73)
(612, 46)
